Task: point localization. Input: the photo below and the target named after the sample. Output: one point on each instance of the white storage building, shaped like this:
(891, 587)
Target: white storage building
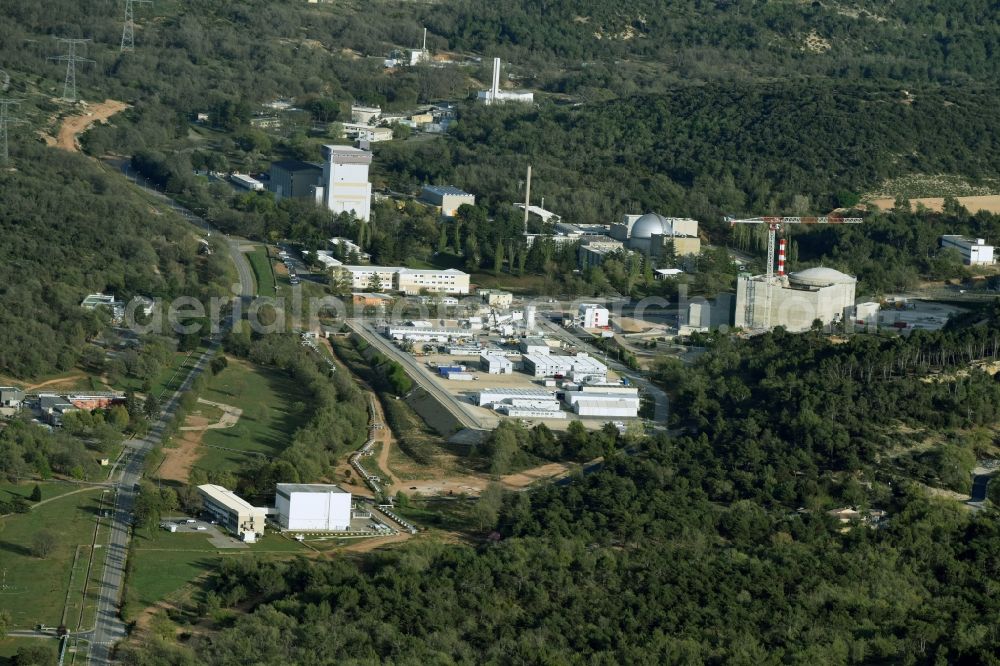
(974, 251)
(313, 507)
(495, 364)
(495, 396)
(534, 345)
(606, 407)
(546, 365)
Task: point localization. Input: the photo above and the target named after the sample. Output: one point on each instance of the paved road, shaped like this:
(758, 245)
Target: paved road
(980, 485)
(110, 629)
(422, 377)
(659, 396)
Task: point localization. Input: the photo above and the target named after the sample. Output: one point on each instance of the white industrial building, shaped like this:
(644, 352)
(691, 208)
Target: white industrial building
(653, 234)
(579, 368)
(595, 249)
(495, 396)
(437, 334)
(313, 507)
(348, 246)
(497, 96)
(345, 187)
(246, 182)
(794, 301)
(447, 198)
(233, 512)
(495, 298)
(534, 345)
(593, 316)
(609, 400)
(410, 281)
(326, 258)
(974, 251)
(495, 364)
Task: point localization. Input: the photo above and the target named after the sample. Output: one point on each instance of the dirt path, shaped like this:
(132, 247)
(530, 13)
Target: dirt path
(73, 126)
(58, 380)
(369, 544)
(230, 417)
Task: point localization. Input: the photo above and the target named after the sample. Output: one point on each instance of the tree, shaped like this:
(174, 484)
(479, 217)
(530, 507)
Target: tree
(36, 494)
(498, 258)
(375, 283)
(151, 408)
(43, 543)
(35, 655)
(443, 239)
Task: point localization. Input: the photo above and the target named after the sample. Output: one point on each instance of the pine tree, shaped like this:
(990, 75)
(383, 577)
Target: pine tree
(457, 244)
(443, 239)
(498, 259)
(36, 494)
(151, 409)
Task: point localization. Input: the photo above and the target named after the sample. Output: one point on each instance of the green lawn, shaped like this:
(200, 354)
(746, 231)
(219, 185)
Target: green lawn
(261, 265)
(164, 562)
(50, 489)
(9, 646)
(273, 407)
(36, 588)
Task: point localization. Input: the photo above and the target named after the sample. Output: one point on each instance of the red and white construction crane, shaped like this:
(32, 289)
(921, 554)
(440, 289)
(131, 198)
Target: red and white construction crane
(774, 225)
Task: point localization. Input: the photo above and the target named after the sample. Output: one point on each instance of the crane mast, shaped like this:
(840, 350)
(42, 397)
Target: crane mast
(775, 223)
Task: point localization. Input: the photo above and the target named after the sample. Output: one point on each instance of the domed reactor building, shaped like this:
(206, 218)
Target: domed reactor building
(653, 234)
(795, 300)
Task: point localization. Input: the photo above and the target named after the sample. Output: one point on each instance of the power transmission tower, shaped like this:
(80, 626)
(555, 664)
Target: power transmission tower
(71, 58)
(128, 32)
(5, 121)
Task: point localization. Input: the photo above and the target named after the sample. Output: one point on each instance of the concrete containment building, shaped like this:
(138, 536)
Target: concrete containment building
(345, 187)
(653, 234)
(447, 198)
(974, 251)
(233, 512)
(313, 507)
(794, 301)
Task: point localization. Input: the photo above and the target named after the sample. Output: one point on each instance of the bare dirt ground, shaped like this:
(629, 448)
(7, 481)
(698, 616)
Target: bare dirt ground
(369, 544)
(73, 126)
(178, 462)
(989, 203)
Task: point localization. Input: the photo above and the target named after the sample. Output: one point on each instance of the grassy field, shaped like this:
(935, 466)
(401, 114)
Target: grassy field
(261, 265)
(165, 562)
(169, 379)
(36, 588)
(9, 646)
(50, 489)
(273, 405)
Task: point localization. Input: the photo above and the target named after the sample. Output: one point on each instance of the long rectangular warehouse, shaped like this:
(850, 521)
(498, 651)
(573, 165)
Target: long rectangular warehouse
(490, 397)
(233, 512)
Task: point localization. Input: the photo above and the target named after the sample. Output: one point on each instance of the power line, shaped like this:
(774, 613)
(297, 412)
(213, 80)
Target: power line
(128, 32)
(71, 58)
(5, 121)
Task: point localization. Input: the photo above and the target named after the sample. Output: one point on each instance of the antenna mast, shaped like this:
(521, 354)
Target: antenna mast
(5, 121)
(128, 32)
(71, 58)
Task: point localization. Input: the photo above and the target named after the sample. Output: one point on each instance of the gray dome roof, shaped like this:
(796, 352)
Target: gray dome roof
(649, 224)
(820, 277)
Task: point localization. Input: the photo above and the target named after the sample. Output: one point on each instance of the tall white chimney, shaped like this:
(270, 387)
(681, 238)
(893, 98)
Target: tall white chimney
(496, 79)
(425, 39)
(527, 199)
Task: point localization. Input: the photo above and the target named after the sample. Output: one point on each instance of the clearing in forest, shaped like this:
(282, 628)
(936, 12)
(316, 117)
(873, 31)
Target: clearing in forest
(73, 126)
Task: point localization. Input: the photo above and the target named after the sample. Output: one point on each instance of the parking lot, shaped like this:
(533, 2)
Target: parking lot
(215, 535)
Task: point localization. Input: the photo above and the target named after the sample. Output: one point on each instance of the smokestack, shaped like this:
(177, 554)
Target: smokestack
(496, 78)
(781, 256)
(527, 200)
(425, 39)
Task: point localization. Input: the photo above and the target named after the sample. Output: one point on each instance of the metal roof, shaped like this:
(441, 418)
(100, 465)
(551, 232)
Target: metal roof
(310, 488)
(446, 190)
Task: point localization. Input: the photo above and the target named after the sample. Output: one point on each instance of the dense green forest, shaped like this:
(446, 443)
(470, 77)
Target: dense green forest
(69, 229)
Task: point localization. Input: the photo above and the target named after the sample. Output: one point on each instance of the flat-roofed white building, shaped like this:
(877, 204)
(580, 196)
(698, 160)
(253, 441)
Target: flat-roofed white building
(442, 334)
(546, 365)
(345, 186)
(495, 396)
(313, 507)
(365, 114)
(495, 364)
(607, 407)
(974, 251)
(233, 512)
(593, 316)
(410, 281)
(533, 345)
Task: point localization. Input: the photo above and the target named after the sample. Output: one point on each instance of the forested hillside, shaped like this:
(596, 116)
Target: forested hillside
(70, 228)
